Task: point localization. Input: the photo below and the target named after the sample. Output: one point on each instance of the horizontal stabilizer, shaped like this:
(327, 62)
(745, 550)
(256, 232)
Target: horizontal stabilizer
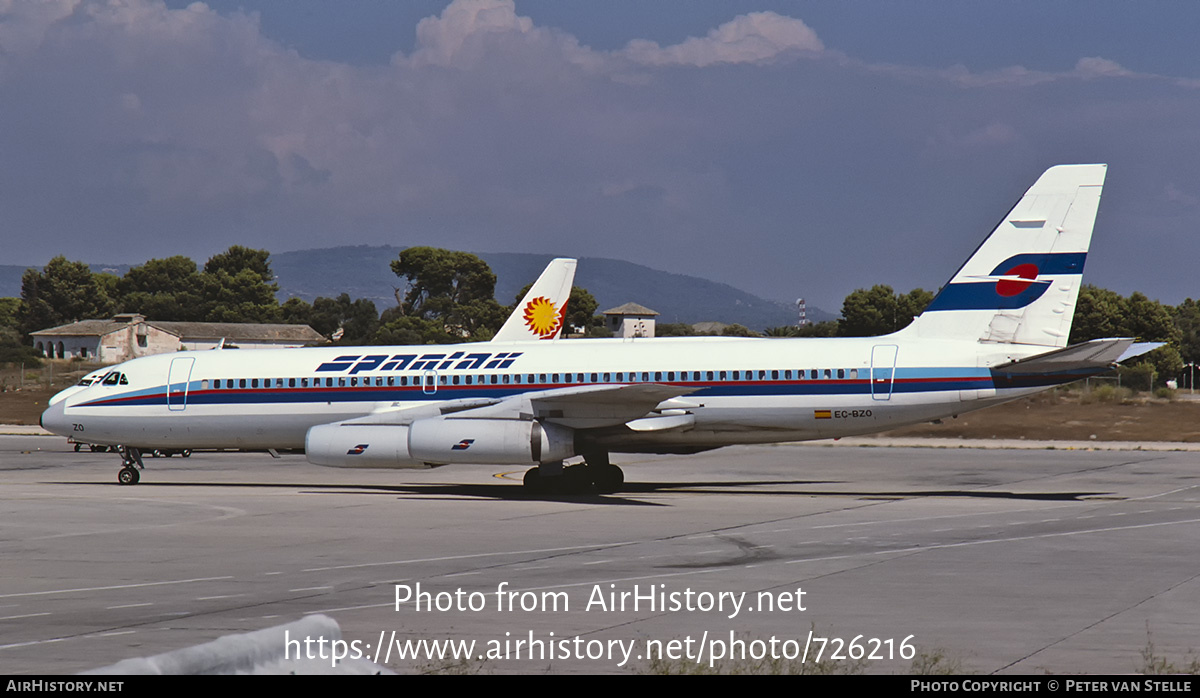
(1139, 348)
(1098, 353)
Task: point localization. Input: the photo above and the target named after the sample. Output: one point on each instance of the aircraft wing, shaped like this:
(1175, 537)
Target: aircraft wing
(1097, 353)
(577, 407)
(582, 407)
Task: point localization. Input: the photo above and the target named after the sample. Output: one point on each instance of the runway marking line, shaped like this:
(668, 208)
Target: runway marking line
(596, 546)
(116, 586)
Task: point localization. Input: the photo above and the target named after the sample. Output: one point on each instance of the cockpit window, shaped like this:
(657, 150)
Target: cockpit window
(112, 378)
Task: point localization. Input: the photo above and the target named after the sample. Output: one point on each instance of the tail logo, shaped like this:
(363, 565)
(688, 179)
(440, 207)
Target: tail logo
(1014, 283)
(1026, 274)
(542, 317)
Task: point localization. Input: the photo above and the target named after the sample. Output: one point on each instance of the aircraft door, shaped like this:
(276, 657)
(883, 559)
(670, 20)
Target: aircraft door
(177, 383)
(429, 382)
(883, 370)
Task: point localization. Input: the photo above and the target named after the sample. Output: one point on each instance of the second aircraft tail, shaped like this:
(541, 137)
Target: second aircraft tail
(542, 313)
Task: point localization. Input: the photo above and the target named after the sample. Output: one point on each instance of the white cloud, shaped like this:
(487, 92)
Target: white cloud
(1095, 67)
(132, 130)
(751, 38)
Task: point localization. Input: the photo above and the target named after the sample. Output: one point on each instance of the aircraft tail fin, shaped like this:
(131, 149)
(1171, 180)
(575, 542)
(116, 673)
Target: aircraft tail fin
(1021, 285)
(542, 313)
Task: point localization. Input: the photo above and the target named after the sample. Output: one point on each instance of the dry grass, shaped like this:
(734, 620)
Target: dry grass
(1073, 415)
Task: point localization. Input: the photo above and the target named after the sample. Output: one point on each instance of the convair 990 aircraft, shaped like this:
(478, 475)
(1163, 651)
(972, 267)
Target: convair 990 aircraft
(996, 331)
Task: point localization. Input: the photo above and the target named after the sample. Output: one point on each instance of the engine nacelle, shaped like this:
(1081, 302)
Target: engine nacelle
(500, 441)
(355, 446)
(438, 441)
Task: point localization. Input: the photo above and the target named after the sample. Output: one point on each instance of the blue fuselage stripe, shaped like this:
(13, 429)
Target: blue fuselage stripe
(977, 380)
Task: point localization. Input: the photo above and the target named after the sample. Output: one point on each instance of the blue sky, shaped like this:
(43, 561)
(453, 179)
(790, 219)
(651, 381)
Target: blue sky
(787, 148)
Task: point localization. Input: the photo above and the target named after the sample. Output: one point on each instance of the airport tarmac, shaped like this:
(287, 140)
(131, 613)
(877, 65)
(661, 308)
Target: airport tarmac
(1004, 561)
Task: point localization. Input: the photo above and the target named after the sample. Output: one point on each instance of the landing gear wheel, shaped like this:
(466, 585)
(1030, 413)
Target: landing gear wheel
(575, 480)
(186, 453)
(534, 482)
(77, 447)
(128, 476)
(609, 479)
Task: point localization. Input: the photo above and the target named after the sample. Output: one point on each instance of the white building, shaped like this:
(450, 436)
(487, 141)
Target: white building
(630, 320)
(130, 335)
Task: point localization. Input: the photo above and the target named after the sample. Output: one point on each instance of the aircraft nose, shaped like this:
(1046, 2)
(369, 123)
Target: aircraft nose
(54, 419)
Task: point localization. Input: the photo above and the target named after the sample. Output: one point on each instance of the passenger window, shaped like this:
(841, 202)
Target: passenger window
(841, 373)
(813, 374)
(774, 375)
(456, 380)
(594, 377)
(542, 378)
(441, 380)
(709, 375)
(645, 377)
(204, 384)
(695, 375)
(254, 383)
(241, 382)
(787, 375)
(506, 378)
(853, 373)
(722, 376)
(828, 373)
(608, 378)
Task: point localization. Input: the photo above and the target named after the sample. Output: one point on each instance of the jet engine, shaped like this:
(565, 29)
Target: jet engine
(439, 441)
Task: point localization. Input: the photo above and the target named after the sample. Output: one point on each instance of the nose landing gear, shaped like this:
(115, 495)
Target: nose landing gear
(131, 462)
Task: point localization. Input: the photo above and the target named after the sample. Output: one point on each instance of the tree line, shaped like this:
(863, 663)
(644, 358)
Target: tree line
(1099, 313)
(449, 296)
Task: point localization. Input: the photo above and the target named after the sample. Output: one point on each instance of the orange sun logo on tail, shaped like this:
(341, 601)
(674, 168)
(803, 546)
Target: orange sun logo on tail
(542, 318)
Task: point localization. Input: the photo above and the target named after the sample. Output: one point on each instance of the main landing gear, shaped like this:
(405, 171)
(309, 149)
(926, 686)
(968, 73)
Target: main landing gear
(595, 475)
(131, 462)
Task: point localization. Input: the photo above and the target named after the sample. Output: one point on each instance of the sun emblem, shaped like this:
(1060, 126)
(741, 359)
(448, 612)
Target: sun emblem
(542, 317)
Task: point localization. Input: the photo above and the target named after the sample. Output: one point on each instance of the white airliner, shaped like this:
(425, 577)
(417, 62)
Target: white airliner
(996, 331)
